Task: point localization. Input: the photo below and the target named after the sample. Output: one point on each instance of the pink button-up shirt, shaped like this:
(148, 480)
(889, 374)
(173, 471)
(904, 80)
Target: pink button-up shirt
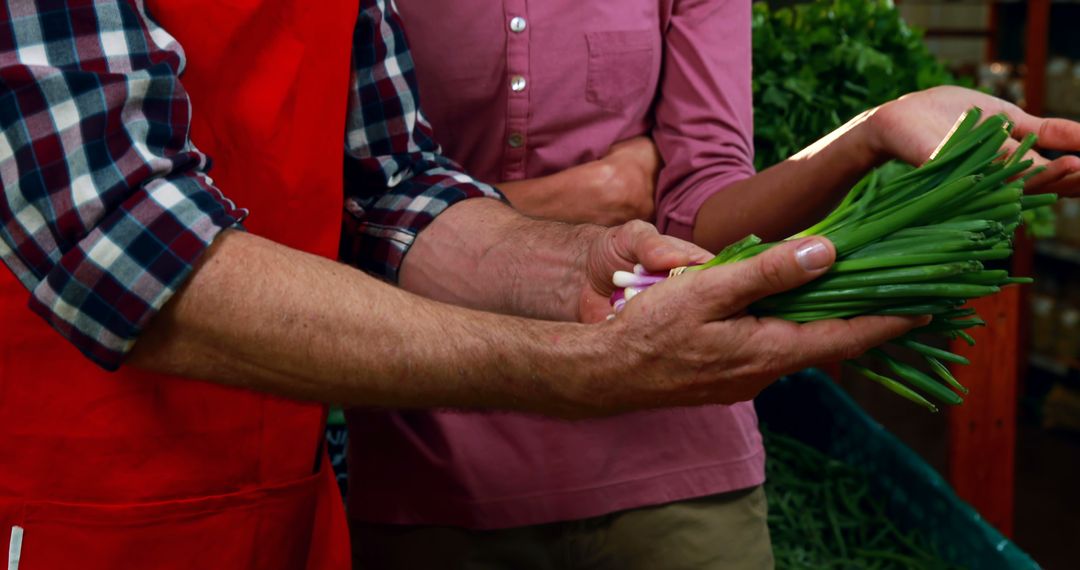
(522, 89)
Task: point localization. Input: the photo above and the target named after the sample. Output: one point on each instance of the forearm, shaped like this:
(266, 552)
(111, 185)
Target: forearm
(539, 197)
(789, 196)
(592, 192)
(259, 315)
(505, 262)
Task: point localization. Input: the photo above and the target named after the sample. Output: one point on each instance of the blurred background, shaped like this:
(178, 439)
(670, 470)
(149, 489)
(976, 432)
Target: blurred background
(1028, 53)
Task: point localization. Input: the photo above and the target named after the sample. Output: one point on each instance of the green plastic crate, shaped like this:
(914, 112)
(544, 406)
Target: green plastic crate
(337, 445)
(810, 407)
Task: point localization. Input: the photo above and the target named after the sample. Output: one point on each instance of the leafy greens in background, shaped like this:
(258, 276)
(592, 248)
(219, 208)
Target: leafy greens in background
(819, 63)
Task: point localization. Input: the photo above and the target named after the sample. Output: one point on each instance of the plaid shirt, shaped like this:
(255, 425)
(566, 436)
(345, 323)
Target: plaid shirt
(106, 202)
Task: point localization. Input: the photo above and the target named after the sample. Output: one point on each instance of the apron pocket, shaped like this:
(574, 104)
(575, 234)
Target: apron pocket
(267, 528)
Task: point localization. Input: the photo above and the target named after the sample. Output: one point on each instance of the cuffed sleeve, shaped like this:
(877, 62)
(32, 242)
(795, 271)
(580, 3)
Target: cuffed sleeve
(106, 205)
(704, 115)
(396, 178)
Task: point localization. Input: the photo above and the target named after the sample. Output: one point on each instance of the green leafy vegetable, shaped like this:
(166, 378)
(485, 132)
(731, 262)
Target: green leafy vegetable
(819, 63)
(915, 245)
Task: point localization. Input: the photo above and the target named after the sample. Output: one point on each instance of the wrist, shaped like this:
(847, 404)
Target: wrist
(852, 149)
(591, 379)
(523, 195)
(578, 277)
(541, 197)
(871, 135)
(545, 266)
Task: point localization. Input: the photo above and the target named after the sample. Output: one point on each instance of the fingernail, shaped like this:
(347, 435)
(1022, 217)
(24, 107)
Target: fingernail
(813, 255)
(662, 251)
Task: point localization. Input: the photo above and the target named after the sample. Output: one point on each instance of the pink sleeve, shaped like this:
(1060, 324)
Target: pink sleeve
(704, 114)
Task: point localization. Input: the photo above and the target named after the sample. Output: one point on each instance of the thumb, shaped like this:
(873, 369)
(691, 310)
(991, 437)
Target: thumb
(660, 253)
(784, 267)
(639, 242)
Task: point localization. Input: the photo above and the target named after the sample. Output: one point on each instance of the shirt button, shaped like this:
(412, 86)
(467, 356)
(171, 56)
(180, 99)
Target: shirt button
(515, 140)
(517, 24)
(517, 83)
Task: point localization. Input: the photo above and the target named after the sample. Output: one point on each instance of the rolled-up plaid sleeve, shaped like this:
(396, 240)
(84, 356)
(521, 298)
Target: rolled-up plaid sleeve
(396, 178)
(106, 205)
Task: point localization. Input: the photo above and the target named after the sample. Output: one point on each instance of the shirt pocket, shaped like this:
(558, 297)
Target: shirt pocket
(620, 66)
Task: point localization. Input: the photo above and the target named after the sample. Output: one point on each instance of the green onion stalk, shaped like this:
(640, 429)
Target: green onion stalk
(917, 244)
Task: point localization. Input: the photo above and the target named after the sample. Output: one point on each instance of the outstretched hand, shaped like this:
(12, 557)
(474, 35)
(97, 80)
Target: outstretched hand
(911, 128)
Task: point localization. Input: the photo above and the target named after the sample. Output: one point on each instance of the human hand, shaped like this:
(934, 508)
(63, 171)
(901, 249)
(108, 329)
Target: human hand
(608, 191)
(620, 248)
(911, 128)
(688, 340)
(636, 165)
(617, 188)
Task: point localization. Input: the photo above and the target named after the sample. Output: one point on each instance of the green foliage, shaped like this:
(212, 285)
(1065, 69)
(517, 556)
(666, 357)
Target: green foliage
(818, 64)
(1041, 222)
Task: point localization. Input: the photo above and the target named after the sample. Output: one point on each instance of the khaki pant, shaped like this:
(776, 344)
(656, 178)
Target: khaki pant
(727, 531)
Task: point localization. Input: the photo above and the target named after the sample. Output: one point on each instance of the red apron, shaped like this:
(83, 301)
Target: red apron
(135, 470)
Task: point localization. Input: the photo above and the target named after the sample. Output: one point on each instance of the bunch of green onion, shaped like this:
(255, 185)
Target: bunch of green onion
(915, 245)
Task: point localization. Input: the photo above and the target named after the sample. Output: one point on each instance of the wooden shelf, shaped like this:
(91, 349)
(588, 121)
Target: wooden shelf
(1063, 115)
(1057, 250)
(1051, 1)
(1049, 364)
